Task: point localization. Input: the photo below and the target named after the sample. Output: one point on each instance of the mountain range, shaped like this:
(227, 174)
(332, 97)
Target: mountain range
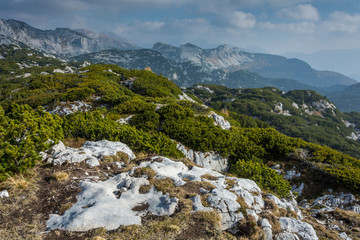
(187, 64)
(345, 61)
(132, 155)
(63, 42)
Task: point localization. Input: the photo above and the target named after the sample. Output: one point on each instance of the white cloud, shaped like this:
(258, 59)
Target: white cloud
(241, 19)
(301, 12)
(343, 22)
(149, 26)
(304, 27)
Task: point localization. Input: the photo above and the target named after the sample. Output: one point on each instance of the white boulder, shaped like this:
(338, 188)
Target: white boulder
(91, 152)
(303, 230)
(4, 194)
(209, 160)
(220, 121)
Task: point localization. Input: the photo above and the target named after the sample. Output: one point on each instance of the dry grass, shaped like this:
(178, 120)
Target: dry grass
(209, 177)
(242, 202)
(141, 155)
(275, 225)
(74, 142)
(230, 183)
(144, 189)
(248, 228)
(147, 171)
(119, 157)
(65, 207)
(61, 176)
(19, 184)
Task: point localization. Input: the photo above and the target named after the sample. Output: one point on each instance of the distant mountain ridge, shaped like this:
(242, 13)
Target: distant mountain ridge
(63, 42)
(189, 64)
(271, 66)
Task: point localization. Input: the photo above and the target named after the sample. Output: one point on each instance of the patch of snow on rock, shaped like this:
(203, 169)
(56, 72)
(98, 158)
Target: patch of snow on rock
(209, 160)
(220, 121)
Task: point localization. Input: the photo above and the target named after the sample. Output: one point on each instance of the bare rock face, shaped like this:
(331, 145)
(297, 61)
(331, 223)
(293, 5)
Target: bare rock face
(90, 152)
(64, 42)
(209, 160)
(345, 201)
(220, 121)
(299, 230)
(119, 200)
(112, 203)
(4, 194)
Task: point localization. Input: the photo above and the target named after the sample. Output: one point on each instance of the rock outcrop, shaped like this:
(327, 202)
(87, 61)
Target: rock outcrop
(90, 152)
(220, 121)
(209, 160)
(122, 200)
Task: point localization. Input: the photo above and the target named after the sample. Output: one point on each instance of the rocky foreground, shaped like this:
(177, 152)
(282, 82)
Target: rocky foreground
(102, 190)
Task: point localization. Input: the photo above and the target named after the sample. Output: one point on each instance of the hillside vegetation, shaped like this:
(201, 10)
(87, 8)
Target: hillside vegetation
(158, 117)
(299, 113)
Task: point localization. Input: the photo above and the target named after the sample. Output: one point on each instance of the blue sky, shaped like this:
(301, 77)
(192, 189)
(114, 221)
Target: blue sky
(275, 25)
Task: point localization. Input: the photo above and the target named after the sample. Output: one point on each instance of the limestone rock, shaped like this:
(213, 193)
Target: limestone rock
(283, 203)
(302, 229)
(346, 201)
(4, 194)
(57, 148)
(101, 205)
(209, 160)
(267, 228)
(91, 152)
(220, 120)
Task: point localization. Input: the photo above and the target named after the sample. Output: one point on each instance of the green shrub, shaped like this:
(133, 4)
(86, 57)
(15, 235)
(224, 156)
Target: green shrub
(23, 133)
(97, 126)
(264, 176)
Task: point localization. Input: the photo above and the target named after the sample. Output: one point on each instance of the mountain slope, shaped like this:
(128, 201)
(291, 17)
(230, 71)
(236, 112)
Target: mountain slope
(341, 60)
(61, 41)
(132, 141)
(299, 113)
(349, 99)
(186, 73)
(271, 66)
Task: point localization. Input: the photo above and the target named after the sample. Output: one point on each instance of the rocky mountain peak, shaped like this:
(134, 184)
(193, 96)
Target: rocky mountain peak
(64, 42)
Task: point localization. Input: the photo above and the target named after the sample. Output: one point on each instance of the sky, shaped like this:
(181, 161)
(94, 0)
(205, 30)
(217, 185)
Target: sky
(276, 26)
